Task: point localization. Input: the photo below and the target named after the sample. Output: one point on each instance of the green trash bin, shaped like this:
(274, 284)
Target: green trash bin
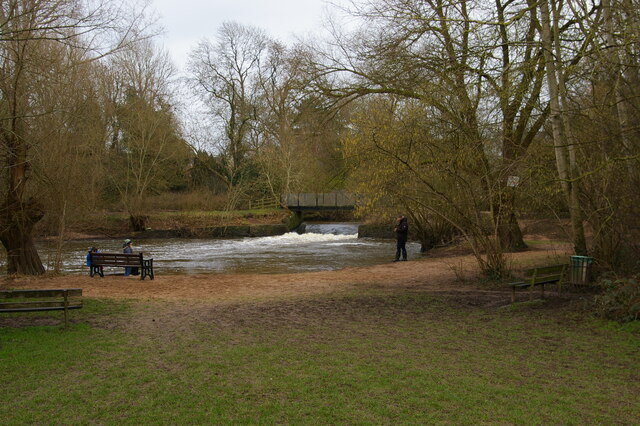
(579, 269)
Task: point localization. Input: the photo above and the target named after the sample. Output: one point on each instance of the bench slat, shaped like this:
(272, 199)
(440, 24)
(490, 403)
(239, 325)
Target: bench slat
(116, 259)
(545, 270)
(547, 279)
(32, 294)
(37, 304)
(528, 284)
(538, 281)
(116, 263)
(59, 308)
(521, 285)
(99, 255)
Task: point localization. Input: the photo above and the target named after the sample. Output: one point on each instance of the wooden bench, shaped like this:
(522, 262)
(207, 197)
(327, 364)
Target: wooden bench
(64, 299)
(540, 276)
(124, 260)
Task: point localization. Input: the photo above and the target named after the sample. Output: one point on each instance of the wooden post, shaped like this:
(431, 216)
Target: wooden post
(532, 284)
(563, 273)
(66, 309)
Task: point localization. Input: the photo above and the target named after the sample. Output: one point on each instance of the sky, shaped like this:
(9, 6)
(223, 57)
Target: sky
(186, 22)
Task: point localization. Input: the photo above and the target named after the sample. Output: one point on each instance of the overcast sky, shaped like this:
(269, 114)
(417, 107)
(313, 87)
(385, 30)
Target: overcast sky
(188, 21)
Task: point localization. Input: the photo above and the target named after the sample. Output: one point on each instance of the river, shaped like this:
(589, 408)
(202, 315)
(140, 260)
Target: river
(322, 247)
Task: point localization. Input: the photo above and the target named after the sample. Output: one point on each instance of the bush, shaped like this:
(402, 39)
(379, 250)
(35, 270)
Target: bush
(620, 300)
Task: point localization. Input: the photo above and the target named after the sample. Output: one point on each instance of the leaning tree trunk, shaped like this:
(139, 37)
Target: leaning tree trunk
(16, 230)
(18, 215)
(509, 232)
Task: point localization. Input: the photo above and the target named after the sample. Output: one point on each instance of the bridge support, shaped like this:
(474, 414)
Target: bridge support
(294, 221)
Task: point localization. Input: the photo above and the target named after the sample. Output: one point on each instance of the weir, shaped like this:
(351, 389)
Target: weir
(302, 202)
(332, 229)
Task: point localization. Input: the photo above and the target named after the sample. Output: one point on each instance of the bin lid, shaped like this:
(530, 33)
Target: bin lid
(587, 259)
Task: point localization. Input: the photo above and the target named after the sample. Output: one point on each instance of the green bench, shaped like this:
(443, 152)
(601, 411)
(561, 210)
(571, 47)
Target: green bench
(31, 301)
(539, 276)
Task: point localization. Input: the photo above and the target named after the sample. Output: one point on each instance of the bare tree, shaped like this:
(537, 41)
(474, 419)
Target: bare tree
(69, 171)
(599, 105)
(400, 156)
(479, 67)
(225, 73)
(27, 30)
(146, 147)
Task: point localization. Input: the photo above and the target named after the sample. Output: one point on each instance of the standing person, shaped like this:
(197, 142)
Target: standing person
(127, 250)
(402, 231)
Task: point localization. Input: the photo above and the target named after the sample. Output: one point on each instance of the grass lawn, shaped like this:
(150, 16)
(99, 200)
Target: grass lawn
(405, 357)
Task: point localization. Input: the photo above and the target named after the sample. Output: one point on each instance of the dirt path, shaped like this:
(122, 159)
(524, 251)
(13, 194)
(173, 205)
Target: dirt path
(436, 274)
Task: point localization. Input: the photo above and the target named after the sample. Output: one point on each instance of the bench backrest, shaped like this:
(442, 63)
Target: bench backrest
(546, 270)
(64, 296)
(116, 259)
(546, 274)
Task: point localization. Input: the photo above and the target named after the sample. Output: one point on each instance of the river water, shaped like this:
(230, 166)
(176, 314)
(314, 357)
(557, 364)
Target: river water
(322, 247)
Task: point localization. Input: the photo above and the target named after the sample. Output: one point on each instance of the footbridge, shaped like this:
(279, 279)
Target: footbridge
(317, 201)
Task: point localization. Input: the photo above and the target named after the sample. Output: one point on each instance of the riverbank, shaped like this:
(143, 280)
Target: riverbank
(178, 224)
(191, 224)
(444, 271)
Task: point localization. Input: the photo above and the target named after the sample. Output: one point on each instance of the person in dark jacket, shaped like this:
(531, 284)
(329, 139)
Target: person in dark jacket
(402, 231)
(92, 250)
(127, 249)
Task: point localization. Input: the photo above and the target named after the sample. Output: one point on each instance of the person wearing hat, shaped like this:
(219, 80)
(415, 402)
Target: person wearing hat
(127, 250)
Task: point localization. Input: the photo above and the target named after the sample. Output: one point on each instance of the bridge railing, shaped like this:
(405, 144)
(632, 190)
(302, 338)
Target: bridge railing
(326, 200)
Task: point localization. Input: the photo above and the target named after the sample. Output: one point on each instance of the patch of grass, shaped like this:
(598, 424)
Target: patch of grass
(528, 304)
(392, 358)
(118, 217)
(118, 223)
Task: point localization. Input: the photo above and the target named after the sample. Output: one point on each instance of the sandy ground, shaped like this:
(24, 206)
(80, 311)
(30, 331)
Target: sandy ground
(433, 274)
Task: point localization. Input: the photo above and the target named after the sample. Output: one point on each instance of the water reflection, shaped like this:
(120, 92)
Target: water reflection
(321, 247)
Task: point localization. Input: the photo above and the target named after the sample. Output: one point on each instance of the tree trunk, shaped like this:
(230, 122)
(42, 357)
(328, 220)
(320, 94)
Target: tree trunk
(16, 236)
(560, 139)
(138, 222)
(617, 75)
(17, 216)
(509, 232)
(57, 264)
